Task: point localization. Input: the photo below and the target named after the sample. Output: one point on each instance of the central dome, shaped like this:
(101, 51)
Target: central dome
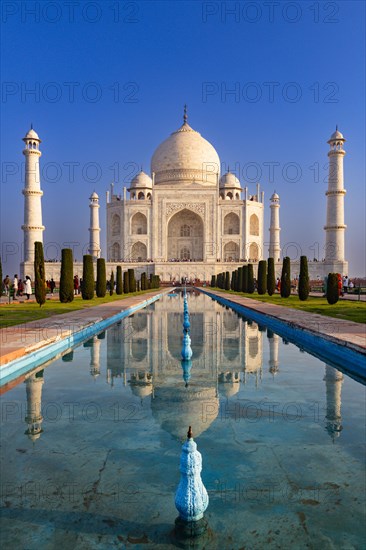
(186, 157)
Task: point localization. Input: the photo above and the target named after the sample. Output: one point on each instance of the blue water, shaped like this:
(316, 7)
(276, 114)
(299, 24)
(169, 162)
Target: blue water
(91, 441)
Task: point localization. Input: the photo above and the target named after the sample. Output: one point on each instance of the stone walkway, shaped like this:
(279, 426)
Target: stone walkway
(337, 330)
(19, 340)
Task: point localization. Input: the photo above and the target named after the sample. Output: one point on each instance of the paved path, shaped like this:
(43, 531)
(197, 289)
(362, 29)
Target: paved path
(19, 340)
(337, 330)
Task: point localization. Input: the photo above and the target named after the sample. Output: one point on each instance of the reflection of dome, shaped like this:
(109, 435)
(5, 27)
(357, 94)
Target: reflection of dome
(229, 384)
(34, 433)
(141, 384)
(186, 156)
(141, 180)
(179, 407)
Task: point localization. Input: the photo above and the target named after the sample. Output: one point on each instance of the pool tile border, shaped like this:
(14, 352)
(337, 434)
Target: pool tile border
(46, 350)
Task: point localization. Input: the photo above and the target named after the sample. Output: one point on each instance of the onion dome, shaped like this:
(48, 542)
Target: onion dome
(185, 156)
(141, 180)
(336, 136)
(229, 180)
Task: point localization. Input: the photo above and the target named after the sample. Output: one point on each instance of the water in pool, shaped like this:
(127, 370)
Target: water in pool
(91, 441)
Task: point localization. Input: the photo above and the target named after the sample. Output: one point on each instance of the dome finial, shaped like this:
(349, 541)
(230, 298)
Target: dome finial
(31, 125)
(185, 116)
(336, 127)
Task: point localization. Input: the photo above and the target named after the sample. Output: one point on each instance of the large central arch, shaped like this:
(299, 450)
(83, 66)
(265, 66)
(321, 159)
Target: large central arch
(185, 236)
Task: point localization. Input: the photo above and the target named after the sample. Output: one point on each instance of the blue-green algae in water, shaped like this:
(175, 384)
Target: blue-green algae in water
(91, 441)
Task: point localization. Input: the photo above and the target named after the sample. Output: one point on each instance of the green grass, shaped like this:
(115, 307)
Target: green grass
(18, 313)
(343, 309)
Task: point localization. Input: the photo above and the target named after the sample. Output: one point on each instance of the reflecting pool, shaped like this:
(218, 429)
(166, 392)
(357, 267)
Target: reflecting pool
(91, 441)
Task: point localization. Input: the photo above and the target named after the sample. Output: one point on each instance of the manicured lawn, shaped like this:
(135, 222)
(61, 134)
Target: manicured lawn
(15, 314)
(343, 309)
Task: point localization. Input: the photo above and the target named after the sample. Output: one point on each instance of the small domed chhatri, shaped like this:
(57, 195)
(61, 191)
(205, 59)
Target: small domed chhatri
(141, 180)
(32, 134)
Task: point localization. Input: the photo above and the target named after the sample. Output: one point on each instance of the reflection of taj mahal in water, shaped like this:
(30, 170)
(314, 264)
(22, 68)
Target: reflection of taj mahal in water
(144, 353)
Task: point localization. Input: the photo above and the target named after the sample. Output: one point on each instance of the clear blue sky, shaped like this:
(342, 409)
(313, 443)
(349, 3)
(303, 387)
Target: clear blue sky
(110, 80)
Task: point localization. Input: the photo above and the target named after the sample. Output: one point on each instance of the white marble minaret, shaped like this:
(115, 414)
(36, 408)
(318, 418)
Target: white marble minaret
(274, 250)
(94, 229)
(333, 381)
(32, 227)
(34, 416)
(335, 227)
(273, 353)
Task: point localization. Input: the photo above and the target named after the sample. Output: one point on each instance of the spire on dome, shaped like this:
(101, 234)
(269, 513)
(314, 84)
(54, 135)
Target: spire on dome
(185, 116)
(31, 125)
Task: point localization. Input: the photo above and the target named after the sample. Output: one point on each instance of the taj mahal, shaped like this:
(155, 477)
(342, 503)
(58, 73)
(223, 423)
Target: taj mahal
(185, 220)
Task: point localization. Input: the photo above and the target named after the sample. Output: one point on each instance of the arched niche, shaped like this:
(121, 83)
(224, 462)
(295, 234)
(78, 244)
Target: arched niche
(231, 224)
(185, 236)
(139, 224)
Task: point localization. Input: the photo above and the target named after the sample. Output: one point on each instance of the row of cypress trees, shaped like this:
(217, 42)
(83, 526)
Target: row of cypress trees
(242, 279)
(125, 283)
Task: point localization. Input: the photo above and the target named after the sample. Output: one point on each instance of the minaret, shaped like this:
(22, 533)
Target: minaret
(34, 416)
(334, 228)
(94, 238)
(32, 227)
(273, 352)
(274, 250)
(333, 381)
(95, 357)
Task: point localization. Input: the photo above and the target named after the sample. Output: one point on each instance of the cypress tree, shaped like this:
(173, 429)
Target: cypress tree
(286, 278)
(262, 277)
(245, 279)
(87, 291)
(250, 279)
(119, 287)
(39, 274)
(131, 280)
(66, 280)
(138, 286)
(126, 286)
(213, 281)
(101, 287)
(271, 278)
(332, 288)
(227, 280)
(111, 284)
(233, 281)
(143, 281)
(304, 287)
(240, 279)
(1, 278)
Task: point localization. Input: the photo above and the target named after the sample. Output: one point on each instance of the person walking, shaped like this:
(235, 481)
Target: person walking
(76, 285)
(345, 284)
(6, 282)
(20, 287)
(52, 286)
(28, 287)
(15, 286)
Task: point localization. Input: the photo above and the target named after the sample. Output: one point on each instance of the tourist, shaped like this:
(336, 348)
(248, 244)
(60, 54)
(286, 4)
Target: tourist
(20, 287)
(6, 282)
(351, 285)
(52, 286)
(278, 285)
(345, 284)
(340, 284)
(76, 285)
(15, 286)
(28, 287)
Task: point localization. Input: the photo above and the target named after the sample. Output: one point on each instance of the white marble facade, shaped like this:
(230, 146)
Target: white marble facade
(185, 218)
